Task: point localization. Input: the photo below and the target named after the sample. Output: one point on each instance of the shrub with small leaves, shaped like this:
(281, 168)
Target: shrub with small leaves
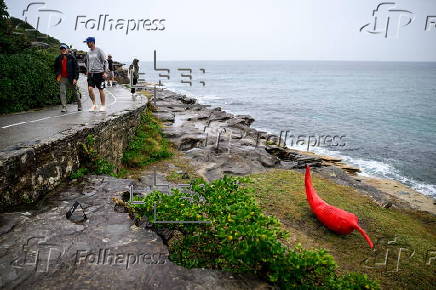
(239, 237)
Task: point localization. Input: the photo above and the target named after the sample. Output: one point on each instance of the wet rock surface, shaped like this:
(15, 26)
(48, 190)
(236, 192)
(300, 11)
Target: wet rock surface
(42, 249)
(220, 143)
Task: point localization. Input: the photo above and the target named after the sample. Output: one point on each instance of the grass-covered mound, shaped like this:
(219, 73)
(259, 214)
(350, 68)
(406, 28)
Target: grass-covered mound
(281, 193)
(148, 145)
(240, 237)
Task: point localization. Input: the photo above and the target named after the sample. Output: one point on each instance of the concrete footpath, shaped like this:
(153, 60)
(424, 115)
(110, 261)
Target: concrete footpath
(40, 149)
(31, 127)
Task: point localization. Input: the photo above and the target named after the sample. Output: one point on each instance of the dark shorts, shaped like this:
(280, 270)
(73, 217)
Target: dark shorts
(96, 80)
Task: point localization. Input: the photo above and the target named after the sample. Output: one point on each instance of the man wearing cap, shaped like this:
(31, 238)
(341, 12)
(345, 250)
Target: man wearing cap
(96, 67)
(67, 73)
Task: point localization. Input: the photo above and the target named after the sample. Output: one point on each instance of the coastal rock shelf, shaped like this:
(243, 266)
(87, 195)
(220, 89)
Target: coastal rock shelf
(220, 143)
(42, 249)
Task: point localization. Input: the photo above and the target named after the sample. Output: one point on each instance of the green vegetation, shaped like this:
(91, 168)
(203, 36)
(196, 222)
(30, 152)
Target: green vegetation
(28, 81)
(240, 238)
(92, 163)
(10, 41)
(281, 193)
(79, 173)
(27, 78)
(148, 145)
(145, 147)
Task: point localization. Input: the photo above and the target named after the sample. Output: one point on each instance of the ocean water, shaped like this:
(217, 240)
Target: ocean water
(385, 111)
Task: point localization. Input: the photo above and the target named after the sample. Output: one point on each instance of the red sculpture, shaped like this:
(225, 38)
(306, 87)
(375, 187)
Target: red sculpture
(336, 219)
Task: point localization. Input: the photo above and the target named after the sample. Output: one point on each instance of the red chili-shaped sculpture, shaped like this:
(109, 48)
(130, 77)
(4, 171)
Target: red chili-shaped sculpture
(336, 219)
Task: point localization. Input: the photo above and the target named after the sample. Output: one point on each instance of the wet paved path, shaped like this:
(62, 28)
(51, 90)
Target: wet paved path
(32, 126)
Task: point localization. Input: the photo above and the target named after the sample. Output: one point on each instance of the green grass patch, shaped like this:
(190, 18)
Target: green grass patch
(282, 194)
(240, 237)
(148, 145)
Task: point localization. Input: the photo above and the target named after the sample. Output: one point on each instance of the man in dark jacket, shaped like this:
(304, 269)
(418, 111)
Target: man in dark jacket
(67, 73)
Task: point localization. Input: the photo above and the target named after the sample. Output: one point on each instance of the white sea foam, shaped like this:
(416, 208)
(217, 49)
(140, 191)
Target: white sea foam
(369, 168)
(372, 168)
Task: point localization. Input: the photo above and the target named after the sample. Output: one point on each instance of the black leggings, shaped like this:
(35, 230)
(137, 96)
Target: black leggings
(135, 81)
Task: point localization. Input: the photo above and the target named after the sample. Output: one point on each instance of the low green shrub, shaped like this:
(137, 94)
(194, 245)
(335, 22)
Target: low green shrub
(239, 237)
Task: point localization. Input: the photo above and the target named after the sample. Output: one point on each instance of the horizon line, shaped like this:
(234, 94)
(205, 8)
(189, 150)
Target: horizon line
(326, 60)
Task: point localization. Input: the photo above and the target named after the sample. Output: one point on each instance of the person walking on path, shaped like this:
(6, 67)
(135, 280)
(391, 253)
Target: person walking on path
(96, 68)
(134, 75)
(66, 69)
(110, 78)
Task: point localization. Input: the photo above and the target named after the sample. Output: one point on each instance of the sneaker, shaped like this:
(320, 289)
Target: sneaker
(103, 109)
(79, 109)
(93, 108)
(64, 109)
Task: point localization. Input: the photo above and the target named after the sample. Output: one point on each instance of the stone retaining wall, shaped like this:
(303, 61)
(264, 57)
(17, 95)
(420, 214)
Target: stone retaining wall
(28, 172)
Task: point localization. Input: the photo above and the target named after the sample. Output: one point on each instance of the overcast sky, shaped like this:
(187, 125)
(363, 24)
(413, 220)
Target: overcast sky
(241, 29)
